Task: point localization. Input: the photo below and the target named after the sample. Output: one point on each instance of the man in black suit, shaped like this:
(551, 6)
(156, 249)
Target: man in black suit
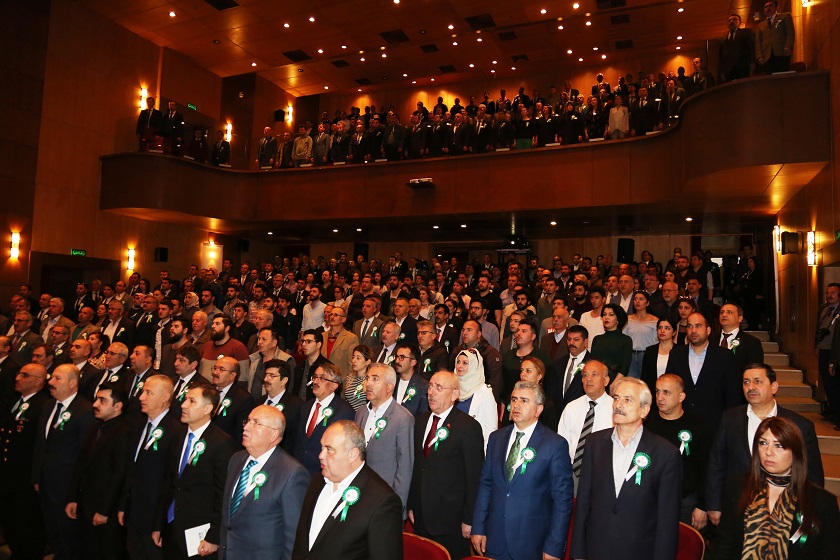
(61, 431)
(411, 388)
(82, 300)
(266, 149)
(644, 114)
(630, 486)
(186, 364)
(59, 335)
(732, 446)
(142, 359)
(433, 355)
(23, 338)
(407, 323)
(194, 482)
(20, 516)
(117, 327)
(146, 325)
(325, 408)
(116, 371)
(172, 130)
(149, 448)
(97, 482)
(149, 123)
(736, 50)
(745, 347)
(278, 395)
(567, 385)
(445, 332)
(555, 343)
(310, 345)
(221, 150)
(448, 457)
(365, 521)
(235, 402)
(712, 383)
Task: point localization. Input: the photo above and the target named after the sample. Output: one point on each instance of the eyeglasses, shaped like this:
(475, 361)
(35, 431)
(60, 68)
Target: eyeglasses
(109, 353)
(322, 378)
(424, 332)
(251, 422)
(438, 387)
(398, 357)
(217, 368)
(307, 341)
(273, 375)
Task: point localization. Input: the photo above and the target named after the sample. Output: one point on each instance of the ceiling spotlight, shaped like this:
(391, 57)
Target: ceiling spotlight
(435, 227)
(361, 52)
(286, 25)
(494, 62)
(569, 51)
(479, 39)
(463, 225)
(575, 5)
(360, 89)
(678, 48)
(326, 87)
(543, 11)
(680, 10)
(405, 75)
(320, 51)
(413, 81)
(270, 233)
(433, 79)
(451, 26)
(513, 67)
(492, 71)
(594, 48)
(689, 219)
(603, 57)
(422, 32)
(396, 1)
(335, 231)
(358, 229)
(553, 223)
(300, 69)
(454, 43)
(580, 59)
(171, 14)
(253, 64)
(560, 27)
(312, 19)
(343, 46)
(588, 23)
(362, 59)
(384, 55)
(472, 65)
(381, 48)
(679, 37)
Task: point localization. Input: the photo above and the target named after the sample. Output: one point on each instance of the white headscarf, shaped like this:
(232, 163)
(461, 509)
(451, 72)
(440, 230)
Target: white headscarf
(474, 378)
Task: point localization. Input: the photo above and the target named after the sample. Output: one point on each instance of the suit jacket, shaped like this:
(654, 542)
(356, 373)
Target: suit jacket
(433, 360)
(83, 331)
(199, 491)
(555, 387)
(642, 522)
(371, 338)
(8, 372)
(264, 528)
(718, 386)
(556, 350)
(649, 361)
(151, 119)
(266, 151)
(450, 338)
(747, 351)
(736, 55)
(230, 418)
(196, 381)
(372, 529)
(172, 125)
(342, 350)
(298, 378)
(444, 485)
(391, 455)
(731, 455)
(290, 406)
(146, 328)
(774, 41)
(145, 475)
(644, 119)
(530, 514)
(122, 376)
(308, 448)
(220, 153)
(124, 332)
(23, 354)
(75, 306)
(408, 330)
(98, 478)
(418, 403)
(18, 434)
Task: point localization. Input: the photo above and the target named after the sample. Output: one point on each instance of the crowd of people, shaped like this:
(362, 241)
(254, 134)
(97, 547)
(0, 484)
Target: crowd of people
(634, 106)
(314, 408)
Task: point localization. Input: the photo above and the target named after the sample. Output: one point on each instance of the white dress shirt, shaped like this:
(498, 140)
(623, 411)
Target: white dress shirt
(328, 500)
(523, 442)
(324, 404)
(373, 416)
(571, 421)
(753, 421)
(65, 404)
(622, 457)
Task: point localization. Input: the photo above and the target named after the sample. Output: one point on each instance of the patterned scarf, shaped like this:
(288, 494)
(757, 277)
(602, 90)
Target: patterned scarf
(766, 533)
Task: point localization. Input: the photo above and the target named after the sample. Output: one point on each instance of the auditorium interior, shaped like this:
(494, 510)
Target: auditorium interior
(746, 162)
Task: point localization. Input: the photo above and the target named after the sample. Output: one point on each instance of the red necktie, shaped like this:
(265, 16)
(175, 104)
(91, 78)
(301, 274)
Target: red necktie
(427, 445)
(311, 427)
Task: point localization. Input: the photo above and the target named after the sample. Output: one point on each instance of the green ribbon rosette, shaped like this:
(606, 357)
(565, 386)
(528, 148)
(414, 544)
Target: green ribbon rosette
(350, 497)
(198, 449)
(259, 480)
(685, 438)
(327, 414)
(381, 424)
(527, 455)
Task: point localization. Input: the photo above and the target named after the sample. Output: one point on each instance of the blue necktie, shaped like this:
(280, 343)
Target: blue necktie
(241, 486)
(170, 514)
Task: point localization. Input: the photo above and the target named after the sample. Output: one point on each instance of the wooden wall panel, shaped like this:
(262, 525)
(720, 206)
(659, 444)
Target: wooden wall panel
(179, 77)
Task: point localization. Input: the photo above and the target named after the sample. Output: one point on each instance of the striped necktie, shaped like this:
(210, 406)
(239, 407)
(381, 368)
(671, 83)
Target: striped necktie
(588, 422)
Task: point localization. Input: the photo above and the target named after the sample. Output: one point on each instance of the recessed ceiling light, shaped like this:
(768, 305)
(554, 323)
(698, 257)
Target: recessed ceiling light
(300, 69)
(513, 67)
(680, 10)
(396, 1)
(454, 43)
(494, 62)
(594, 48)
(405, 75)
(479, 39)
(343, 46)
(678, 48)
(553, 223)
(286, 25)
(560, 27)
(450, 26)
(253, 64)
(384, 55)
(580, 59)
(335, 231)
(679, 37)
(603, 57)
(588, 23)
(171, 14)
(543, 11)
(569, 51)
(492, 71)
(361, 52)
(320, 51)
(689, 219)
(435, 227)
(312, 19)
(216, 42)
(472, 65)
(362, 59)
(433, 79)
(358, 229)
(360, 89)
(422, 32)
(575, 5)
(326, 87)
(413, 81)
(381, 48)
(270, 233)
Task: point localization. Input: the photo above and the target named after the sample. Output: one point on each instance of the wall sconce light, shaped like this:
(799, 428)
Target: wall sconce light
(777, 238)
(228, 131)
(289, 114)
(811, 246)
(807, 3)
(144, 93)
(211, 255)
(15, 249)
(131, 254)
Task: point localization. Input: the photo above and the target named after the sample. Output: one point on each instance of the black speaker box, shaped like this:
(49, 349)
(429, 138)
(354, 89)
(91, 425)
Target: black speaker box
(279, 115)
(626, 250)
(161, 254)
(790, 242)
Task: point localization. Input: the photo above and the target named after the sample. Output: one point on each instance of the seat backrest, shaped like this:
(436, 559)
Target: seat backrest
(419, 548)
(691, 545)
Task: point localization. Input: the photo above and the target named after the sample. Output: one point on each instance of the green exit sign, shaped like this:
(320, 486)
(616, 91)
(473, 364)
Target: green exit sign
(192, 106)
(78, 252)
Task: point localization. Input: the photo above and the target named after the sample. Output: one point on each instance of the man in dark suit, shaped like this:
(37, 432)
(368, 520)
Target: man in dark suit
(310, 342)
(116, 371)
(365, 515)
(367, 328)
(411, 388)
(149, 123)
(278, 395)
(745, 347)
(524, 502)
(221, 150)
(193, 487)
(172, 130)
(388, 430)
(712, 384)
(731, 452)
(407, 323)
(445, 332)
(146, 325)
(23, 338)
(566, 385)
(266, 149)
(325, 408)
(141, 359)
(555, 342)
(263, 494)
(448, 454)
(82, 300)
(186, 364)
(61, 431)
(98, 478)
(20, 516)
(433, 355)
(644, 114)
(149, 448)
(736, 51)
(117, 327)
(630, 486)
(235, 402)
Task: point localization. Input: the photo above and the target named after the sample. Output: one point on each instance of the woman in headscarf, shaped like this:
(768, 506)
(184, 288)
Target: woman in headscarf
(476, 398)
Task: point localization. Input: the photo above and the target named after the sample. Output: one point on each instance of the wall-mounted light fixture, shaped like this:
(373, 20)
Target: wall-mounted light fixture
(144, 93)
(228, 131)
(289, 110)
(15, 249)
(777, 238)
(131, 255)
(211, 254)
(811, 247)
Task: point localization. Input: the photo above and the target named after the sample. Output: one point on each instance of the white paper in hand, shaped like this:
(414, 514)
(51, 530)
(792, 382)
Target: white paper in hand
(194, 536)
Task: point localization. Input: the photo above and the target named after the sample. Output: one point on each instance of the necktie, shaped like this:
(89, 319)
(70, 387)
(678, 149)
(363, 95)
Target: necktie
(15, 342)
(143, 439)
(731, 35)
(365, 328)
(178, 387)
(134, 385)
(382, 355)
(268, 401)
(314, 420)
(723, 341)
(587, 428)
(17, 405)
(512, 457)
(567, 380)
(57, 416)
(440, 333)
(241, 485)
(427, 445)
(170, 513)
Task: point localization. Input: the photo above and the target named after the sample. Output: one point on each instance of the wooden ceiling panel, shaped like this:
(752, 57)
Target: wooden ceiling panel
(185, 30)
(231, 19)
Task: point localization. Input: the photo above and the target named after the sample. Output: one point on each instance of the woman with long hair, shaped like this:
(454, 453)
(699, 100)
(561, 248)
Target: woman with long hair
(614, 348)
(533, 371)
(354, 380)
(655, 359)
(779, 513)
(476, 398)
(685, 307)
(427, 307)
(101, 315)
(641, 328)
(99, 342)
